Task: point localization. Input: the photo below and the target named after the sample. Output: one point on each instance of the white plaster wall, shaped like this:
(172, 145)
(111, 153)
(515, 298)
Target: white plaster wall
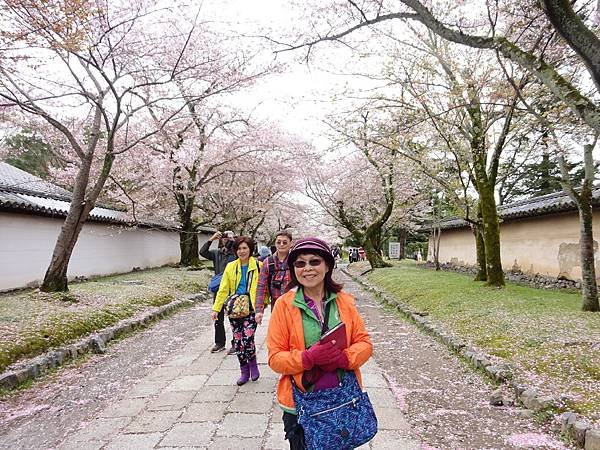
(27, 242)
(456, 246)
(532, 244)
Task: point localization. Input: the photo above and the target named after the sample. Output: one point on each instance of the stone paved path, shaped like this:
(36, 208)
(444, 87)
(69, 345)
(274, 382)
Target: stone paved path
(162, 388)
(191, 401)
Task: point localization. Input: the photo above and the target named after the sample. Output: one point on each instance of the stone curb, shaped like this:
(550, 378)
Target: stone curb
(580, 431)
(515, 275)
(95, 343)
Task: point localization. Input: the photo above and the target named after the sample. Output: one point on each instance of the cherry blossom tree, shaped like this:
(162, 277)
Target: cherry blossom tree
(473, 115)
(254, 196)
(210, 136)
(84, 68)
(238, 176)
(385, 183)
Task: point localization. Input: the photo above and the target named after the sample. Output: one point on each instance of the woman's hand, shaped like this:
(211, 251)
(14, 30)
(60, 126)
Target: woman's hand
(320, 354)
(341, 362)
(214, 315)
(258, 317)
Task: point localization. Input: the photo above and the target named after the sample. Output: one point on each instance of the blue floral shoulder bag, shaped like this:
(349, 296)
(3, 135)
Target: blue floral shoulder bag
(339, 418)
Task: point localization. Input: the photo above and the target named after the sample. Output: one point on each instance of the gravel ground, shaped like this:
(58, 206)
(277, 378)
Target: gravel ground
(445, 402)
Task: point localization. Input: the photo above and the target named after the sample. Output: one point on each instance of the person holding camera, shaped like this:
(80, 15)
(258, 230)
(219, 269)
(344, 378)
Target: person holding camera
(274, 274)
(220, 258)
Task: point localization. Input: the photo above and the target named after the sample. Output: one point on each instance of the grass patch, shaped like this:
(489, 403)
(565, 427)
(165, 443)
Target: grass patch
(32, 322)
(551, 343)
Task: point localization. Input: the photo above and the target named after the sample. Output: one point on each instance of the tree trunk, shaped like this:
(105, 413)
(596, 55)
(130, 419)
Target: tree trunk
(436, 249)
(480, 248)
(188, 245)
(402, 241)
(583, 200)
(373, 256)
(55, 279)
(485, 189)
(545, 176)
(188, 238)
(436, 232)
(491, 236)
(589, 286)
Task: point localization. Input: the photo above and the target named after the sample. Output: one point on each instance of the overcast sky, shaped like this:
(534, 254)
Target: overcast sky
(300, 98)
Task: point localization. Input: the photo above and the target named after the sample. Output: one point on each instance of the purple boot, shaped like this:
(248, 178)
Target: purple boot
(254, 373)
(245, 370)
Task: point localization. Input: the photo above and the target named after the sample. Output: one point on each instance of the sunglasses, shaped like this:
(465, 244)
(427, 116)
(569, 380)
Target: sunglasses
(299, 264)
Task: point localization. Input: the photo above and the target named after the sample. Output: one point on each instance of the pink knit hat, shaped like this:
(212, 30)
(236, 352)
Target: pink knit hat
(311, 245)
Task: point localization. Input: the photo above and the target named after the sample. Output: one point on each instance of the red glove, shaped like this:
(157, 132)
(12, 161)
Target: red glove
(319, 354)
(341, 362)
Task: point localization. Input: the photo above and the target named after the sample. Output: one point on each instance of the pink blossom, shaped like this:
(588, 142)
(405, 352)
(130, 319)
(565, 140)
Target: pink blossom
(534, 440)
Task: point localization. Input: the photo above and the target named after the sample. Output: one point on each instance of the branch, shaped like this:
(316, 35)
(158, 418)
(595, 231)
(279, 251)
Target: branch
(583, 107)
(547, 74)
(338, 36)
(126, 195)
(580, 38)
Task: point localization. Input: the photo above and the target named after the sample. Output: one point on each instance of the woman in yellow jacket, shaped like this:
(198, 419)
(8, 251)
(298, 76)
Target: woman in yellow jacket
(295, 328)
(241, 277)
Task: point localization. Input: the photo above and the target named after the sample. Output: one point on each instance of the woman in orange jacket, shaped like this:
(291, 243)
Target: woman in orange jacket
(295, 328)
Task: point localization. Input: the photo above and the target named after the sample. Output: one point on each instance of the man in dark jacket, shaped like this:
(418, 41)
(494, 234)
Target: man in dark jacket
(220, 257)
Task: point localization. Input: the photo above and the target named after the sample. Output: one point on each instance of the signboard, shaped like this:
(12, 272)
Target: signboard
(394, 250)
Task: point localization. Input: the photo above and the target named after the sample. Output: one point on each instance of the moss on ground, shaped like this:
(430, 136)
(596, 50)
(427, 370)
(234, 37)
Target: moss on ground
(32, 322)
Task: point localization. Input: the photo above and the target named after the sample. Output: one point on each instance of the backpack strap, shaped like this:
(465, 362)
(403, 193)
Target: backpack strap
(271, 262)
(325, 325)
(248, 282)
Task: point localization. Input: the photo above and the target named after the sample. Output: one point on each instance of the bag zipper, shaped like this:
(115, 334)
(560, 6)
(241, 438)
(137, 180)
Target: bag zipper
(353, 402)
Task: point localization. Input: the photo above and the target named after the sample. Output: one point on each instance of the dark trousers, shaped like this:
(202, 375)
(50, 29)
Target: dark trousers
(293, 431)
(219, 326)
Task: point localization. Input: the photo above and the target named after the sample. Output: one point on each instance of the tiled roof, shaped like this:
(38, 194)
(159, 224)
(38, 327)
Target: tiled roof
(17, 180)
(556, 202)
(22, 191)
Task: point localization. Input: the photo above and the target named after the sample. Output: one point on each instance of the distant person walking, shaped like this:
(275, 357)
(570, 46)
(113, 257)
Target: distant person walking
(263, 253)
(220, 257)
(361, 254)
(241, 277)
(335, 252)
(274, 274)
